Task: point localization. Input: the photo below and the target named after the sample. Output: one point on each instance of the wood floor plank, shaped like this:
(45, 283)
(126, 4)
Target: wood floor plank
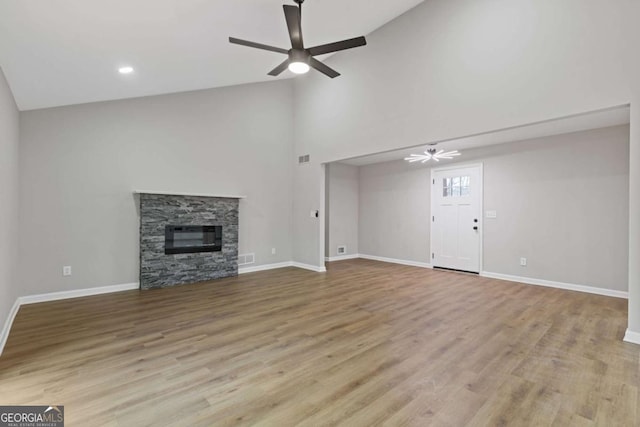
(365, 344)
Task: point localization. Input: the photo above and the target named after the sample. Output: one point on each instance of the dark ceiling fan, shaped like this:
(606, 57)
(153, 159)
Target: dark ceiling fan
(300, 59)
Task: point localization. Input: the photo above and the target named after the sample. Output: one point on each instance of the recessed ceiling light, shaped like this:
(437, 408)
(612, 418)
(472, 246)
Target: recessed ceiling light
(125, 70)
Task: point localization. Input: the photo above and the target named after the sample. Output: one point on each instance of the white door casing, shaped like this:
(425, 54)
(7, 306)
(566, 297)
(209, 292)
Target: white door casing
(456, 217)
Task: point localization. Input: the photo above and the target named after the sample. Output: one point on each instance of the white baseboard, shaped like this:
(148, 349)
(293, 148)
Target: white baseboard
(4, 334)
(56, 296)
(632, 337)
(78, 293)
(282, 265)
(244, 270)
(309, 267)
(397, 261)
(558, 285)
(341, 257)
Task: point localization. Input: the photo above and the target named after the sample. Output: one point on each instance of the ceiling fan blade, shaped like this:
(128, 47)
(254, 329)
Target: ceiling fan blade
(292, 15)
(323, 68)
(337, 46)
(257, 45)
(279, 69)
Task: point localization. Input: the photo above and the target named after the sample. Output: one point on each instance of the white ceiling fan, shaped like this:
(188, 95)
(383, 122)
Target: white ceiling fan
(432, 153)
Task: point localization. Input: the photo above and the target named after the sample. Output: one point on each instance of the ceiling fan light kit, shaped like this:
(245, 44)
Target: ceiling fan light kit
(300, 59)
(434, 154)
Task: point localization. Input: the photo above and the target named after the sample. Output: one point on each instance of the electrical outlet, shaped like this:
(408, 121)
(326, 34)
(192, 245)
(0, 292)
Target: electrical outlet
(273, 251)
(66, 270)
(523, 262)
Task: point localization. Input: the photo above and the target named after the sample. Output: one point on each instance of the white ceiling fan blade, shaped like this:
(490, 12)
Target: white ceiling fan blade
(448, 155)
(451, 153)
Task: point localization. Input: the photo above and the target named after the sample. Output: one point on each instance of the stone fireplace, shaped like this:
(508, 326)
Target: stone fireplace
(187, 238)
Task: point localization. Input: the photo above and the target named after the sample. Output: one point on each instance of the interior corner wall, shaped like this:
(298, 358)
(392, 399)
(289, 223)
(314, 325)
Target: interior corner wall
(562, 202)
(80, 164)
(342, 212)
(634, 211)
(467, 67)
(9, 149)
(308, 186)
(633, 33)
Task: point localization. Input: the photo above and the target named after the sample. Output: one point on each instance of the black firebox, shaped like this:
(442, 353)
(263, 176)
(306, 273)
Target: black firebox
(189, 239)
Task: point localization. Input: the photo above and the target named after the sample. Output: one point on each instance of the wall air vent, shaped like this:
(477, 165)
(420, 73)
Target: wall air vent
(342, 250)
(246, 259)
(303, 159)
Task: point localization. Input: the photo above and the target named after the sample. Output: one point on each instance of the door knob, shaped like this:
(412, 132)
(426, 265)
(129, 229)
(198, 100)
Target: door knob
(475, 228)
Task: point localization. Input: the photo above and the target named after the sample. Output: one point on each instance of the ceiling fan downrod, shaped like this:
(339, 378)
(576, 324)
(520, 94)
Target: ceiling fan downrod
(299, 3)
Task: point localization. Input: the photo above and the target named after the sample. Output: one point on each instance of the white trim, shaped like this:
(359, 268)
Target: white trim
(454, 166)
(173, 193)
(55, 296)
(397, 261)
(557, 285)
(244, 270)
(341, 257)
(322, 217)
(309, 267)
(4, 334)
(632, 337)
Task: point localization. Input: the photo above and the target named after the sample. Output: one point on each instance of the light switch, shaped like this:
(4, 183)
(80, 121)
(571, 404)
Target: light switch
(491, 214)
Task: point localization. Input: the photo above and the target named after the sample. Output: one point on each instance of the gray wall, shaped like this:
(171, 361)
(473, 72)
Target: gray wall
(562, 202)
(79, 165)
(452, 68)
(342, 209)
(9, 136)
(394, 211)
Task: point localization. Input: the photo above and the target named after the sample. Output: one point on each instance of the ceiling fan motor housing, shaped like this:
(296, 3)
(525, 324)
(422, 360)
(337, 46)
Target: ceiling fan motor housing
(298, 55)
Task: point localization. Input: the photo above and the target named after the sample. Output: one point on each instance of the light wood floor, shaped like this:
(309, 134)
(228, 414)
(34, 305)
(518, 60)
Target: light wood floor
(365, 344)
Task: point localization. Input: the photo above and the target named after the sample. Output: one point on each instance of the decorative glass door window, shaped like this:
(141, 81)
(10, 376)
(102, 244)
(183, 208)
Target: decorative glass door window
(458, 186)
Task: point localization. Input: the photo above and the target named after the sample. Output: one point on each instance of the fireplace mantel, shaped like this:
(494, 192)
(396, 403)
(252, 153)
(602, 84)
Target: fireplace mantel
(171, 193)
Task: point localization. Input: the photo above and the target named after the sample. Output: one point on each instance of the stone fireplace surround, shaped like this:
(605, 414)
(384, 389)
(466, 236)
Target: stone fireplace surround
(158, 210)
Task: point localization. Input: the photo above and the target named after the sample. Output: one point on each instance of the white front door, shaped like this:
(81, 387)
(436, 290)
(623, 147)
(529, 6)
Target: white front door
(456, 196)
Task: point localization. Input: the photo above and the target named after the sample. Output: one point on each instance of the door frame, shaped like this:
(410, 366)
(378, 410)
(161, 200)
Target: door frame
(432, 193)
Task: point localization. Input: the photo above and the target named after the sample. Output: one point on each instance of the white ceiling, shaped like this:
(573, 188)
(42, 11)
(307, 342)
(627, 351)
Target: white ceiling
(580, 122)
(61, 52)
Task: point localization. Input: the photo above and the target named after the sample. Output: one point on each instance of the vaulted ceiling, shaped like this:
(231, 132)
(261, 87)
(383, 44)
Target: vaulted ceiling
(61, 52)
